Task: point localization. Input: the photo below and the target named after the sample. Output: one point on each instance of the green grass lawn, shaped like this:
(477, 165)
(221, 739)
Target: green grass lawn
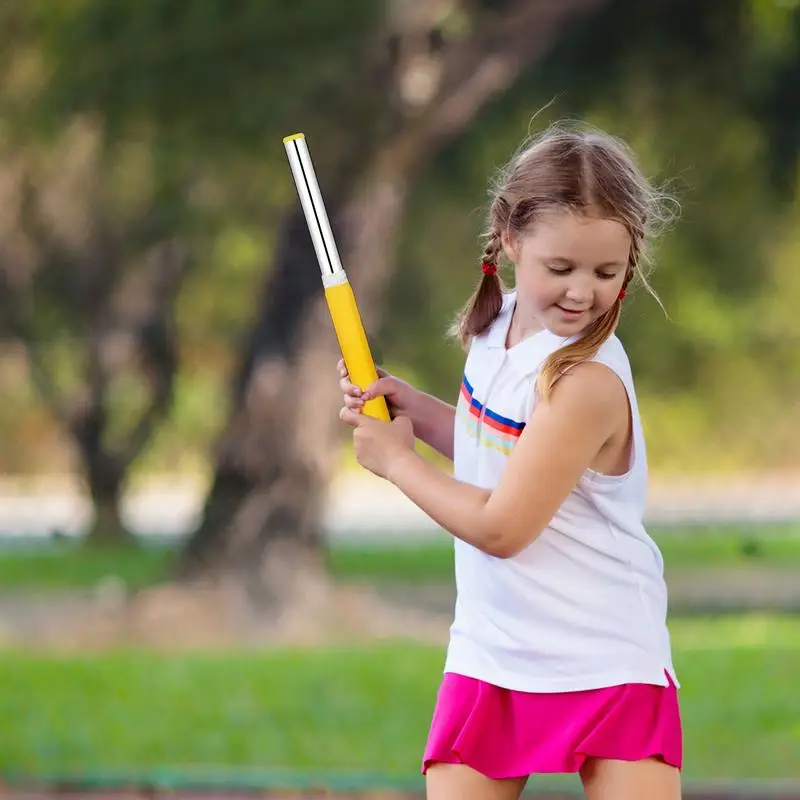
(66, 566)
(366, 709)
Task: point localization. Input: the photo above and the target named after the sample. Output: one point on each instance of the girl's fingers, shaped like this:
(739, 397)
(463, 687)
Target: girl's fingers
(348, 388)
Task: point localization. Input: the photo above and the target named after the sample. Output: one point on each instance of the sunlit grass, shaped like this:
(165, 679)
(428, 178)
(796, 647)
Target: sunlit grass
(362, 710)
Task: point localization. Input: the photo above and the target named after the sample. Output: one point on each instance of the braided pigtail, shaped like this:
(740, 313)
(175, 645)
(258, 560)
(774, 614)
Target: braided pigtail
(483, 308)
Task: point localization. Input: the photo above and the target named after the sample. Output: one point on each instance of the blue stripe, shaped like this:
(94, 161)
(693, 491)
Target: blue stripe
(504, 420)
(489, 413)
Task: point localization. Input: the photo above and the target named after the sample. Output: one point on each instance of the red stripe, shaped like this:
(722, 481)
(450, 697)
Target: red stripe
(501, 427)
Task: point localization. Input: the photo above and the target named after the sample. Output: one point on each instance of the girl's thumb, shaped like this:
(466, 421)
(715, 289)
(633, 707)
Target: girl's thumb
(382, 386)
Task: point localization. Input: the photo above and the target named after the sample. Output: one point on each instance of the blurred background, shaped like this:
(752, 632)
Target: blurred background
(199, 588)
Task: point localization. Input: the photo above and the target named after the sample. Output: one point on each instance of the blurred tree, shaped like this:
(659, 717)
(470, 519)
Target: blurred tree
(88, 283)
(263, 514)
(381, 89)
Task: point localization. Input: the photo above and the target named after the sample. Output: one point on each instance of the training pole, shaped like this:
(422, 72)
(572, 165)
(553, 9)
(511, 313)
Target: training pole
(338, 292)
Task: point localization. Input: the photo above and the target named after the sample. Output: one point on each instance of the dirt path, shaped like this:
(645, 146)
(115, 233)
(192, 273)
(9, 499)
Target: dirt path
(355, 613)
(690, 591)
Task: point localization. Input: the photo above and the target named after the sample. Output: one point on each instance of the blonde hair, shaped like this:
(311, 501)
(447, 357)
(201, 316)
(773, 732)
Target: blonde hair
(578, 169)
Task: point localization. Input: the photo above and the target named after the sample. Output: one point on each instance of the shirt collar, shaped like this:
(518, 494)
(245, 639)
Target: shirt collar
(527, 356)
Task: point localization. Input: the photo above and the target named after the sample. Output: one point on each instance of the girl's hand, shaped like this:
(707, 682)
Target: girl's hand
(400, 396)
(378, 444)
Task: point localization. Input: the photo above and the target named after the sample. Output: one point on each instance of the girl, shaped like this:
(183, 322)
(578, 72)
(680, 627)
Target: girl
(559, 657)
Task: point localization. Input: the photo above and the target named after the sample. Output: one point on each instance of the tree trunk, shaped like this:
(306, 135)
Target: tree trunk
(105, 479)
(275, 458)
(108, 529)
(242, 510)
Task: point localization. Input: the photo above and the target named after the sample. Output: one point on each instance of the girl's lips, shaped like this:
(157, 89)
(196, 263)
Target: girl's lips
(570, 312)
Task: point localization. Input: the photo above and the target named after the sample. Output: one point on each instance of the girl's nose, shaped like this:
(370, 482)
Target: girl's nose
(580, 292)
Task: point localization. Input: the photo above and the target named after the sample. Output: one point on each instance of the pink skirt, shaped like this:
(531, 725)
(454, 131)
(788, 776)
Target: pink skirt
(507, 734)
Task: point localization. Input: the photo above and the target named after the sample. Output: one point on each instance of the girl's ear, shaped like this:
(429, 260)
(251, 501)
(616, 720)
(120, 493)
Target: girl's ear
(510, 246)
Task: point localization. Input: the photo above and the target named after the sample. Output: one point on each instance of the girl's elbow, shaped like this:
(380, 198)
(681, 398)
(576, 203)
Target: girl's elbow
(501, 549)
(505, 534)
(490, 536)
(500, 546)
(509, 545)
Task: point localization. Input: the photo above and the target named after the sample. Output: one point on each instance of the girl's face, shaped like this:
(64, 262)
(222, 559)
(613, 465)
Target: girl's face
(569, 269)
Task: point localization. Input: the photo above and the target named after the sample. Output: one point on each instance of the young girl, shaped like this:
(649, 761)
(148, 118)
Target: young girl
(559, 656)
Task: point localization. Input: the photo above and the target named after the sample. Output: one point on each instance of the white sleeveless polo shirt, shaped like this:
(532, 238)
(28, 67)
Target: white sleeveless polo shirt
(584, 606)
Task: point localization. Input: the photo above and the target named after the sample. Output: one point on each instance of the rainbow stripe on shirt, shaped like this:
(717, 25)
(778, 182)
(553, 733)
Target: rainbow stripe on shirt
(496, 431)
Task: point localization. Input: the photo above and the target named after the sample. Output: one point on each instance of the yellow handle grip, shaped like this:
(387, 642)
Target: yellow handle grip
(353, 344)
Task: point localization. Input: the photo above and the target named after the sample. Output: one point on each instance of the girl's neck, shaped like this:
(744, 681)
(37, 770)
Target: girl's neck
(522, 326)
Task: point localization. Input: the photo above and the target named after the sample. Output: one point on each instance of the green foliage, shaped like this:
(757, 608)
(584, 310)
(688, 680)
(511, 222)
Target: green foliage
(198, 95)
(220, 72)
(191, 103)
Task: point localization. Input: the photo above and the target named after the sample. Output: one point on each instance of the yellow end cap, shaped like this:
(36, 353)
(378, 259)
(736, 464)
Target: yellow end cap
(293, 136)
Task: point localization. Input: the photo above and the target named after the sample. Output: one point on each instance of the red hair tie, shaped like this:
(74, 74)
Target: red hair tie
(488, 269)
(621, 294)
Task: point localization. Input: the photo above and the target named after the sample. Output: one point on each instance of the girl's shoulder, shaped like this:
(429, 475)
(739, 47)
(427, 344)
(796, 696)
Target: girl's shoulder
(613, 355)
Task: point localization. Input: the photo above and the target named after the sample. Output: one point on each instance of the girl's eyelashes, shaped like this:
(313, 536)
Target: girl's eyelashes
(605, 276)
